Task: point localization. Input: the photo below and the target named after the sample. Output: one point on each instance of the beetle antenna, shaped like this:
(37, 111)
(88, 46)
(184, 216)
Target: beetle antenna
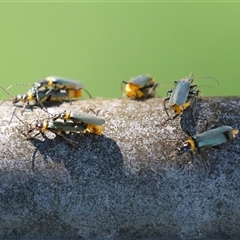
(24, 123)
(18, 84)
(13, 114)
(208, 77)
(5, 90)
(90, 96)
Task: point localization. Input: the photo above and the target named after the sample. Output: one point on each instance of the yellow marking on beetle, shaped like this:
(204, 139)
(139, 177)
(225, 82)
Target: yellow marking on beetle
(30, 96)
(70, 94)
(132, 91)
(186, 104)
(74, 93)
(152, 80)
(67, 115)
(234, 132)
(96, 129)
(45, 125)
(191, 143)
(179, 109)
(50, 82)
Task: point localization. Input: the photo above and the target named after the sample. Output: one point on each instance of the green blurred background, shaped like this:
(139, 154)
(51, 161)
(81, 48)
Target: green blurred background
(103, 43)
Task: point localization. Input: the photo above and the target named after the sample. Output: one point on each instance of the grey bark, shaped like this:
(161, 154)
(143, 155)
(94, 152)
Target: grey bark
(125, 184)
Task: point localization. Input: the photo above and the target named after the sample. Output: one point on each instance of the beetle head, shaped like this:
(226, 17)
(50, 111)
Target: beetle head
(185, 148)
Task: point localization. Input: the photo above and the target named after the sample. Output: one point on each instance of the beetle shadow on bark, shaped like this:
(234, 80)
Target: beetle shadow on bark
(92, 156)
(191, 118)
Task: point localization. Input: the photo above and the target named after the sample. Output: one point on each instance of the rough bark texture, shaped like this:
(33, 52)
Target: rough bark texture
(125, 184)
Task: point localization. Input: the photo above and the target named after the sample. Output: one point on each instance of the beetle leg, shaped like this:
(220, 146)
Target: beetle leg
(122, 86)
(163, 123)
(170, 118)
(24, 106)
(191, 154)
(169, 92)
(190, 163)
(152, 89)
(49, 93)
(73, 143)
(90, 96)
(31, 137)
(164, 105)
(193, 87)
(194, 93)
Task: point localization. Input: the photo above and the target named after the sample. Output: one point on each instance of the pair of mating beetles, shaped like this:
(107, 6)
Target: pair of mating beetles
(68, 121)
(182, 96)
(50, 89)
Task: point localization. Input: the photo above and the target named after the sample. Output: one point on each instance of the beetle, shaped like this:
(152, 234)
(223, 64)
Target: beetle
(57, 127)
(140, 87)
(44, 95)
(210, 138)
(61, 83)
(54, 126)
(182, 96)
(93, 122)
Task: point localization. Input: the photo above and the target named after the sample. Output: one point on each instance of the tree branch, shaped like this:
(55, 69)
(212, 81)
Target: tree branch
(125, 184)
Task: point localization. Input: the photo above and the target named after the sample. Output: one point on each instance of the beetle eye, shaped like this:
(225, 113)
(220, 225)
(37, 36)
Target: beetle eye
(38, 125)
(182, 150)
(185, 148)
